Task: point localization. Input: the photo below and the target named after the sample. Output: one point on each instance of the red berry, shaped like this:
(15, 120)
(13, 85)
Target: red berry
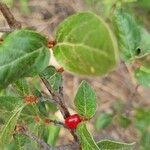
(72, 121)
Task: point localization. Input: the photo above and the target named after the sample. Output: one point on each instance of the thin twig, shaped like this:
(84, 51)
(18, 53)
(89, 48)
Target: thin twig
(58, 97)
(55, 122)
(12, 22)
(6, 30)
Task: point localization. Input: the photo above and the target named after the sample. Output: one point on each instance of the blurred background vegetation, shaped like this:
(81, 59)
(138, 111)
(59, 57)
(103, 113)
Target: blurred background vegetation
(125, 105)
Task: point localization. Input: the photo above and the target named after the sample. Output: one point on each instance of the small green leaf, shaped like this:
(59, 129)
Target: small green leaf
(53, 77)
(8, 128)
(86, 140)
(103, 120)
(113, 145)
(85, 100)
(23, 53)
(128, 34)
(86, 45)
(123, 121)
(53, 133)
(142, 74)
(142, 119)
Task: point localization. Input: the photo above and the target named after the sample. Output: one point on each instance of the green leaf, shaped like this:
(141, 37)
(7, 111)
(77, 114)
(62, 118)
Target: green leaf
(113, 145)
(142, 119)
(144, 3)
(7, 105)
(25, 88)
(142, 74)
(144, 141)
(85, 45)
(9, 102)
(53, 133)
(22, 87)
(20, 141)
(8, 128)
(53, 77)
(103, 121)
(128, 34)
(86, 140)
(23, 53)
(145, 42)
(85, 100)
(123, 121)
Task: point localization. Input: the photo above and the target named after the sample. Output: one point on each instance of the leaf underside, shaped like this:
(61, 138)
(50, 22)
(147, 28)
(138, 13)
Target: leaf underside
(85, 45)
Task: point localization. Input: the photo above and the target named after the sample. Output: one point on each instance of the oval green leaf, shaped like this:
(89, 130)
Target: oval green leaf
(23, 53)
(85, 45)
(85, 100)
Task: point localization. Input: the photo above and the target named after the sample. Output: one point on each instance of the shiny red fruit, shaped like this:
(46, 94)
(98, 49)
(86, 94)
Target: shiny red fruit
(72, 121)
